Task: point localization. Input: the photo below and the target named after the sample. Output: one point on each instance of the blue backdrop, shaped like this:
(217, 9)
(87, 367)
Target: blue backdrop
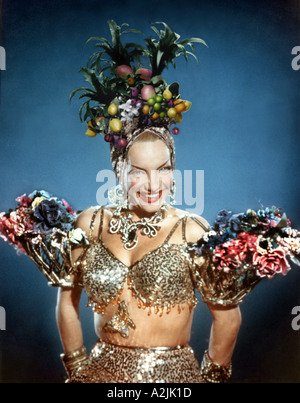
(242, 131)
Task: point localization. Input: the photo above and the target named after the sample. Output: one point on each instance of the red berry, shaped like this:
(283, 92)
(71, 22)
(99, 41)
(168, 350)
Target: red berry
(122, 142)
(175, 130)
(108, 138)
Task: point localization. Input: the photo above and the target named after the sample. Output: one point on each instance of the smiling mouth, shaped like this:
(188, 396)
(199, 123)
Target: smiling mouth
(150, 197)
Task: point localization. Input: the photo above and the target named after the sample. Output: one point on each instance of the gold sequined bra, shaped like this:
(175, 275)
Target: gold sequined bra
(161, 279)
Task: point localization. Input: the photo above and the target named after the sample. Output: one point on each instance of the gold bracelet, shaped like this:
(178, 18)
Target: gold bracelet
(212, 372)
(74, 360)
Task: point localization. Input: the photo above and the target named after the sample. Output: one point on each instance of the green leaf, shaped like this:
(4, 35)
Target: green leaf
(185, 42)
(84, 105)
(134, 31)
(102, 124)
(159, 57)
(89, 113)
(96, 38)
(283, 222)
(192, 54)
(174, 88)
(295, 260)
(74, 92)
(156, 31)
(114, 31)
(156, 80)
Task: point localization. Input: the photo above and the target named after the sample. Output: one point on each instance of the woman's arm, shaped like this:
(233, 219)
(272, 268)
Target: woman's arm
(67, 317)
(224, 332)
(69, 325)
(68, 299)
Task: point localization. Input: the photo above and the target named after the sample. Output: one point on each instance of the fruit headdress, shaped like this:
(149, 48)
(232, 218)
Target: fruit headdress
(126, 97)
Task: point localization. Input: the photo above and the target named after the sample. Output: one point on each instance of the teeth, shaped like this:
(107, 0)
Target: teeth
(151, 196)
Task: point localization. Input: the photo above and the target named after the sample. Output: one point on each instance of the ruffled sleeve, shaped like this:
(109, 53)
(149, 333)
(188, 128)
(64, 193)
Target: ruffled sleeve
(42, 226)
(240, 250)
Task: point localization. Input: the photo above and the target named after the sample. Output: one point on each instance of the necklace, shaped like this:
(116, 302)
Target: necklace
(121, 222)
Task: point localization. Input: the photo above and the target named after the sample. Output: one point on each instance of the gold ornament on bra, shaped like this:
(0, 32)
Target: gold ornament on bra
(120, 322)
(122, 223)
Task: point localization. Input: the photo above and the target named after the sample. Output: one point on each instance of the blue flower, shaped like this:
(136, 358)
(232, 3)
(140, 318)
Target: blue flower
(222, 219)
(39, 193)
(235, 223)
(51, 213)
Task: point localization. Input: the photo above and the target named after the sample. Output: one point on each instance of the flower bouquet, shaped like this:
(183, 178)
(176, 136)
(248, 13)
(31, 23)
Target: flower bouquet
(240, 250)
(42, 227)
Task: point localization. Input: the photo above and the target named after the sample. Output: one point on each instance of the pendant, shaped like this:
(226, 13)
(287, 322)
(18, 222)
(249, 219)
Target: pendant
(120, 322)
(123, 224)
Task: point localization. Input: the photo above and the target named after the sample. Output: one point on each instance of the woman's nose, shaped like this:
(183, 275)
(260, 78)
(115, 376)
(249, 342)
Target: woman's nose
(153, 181)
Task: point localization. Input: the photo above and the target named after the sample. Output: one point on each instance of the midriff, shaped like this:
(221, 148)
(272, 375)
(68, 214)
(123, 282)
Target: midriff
(152, 330)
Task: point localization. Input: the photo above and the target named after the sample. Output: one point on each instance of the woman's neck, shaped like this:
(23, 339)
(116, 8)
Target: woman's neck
(138, 212)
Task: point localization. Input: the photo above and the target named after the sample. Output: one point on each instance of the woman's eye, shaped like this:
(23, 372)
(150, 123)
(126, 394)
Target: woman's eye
(136, 172)
(165, 169)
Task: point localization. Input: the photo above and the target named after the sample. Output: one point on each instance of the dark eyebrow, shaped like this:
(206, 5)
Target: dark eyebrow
(135, 166)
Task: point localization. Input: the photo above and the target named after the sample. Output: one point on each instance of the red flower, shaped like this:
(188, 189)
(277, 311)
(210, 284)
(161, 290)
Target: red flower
(68, 207)
(234, 252)
(271, 263)
(24, 200)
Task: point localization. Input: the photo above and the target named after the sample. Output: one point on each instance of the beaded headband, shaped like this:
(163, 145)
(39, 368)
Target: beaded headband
(131, 132)
(127, 99)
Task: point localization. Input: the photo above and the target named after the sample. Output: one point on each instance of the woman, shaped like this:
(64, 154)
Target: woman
(147, 181)
(143, 258)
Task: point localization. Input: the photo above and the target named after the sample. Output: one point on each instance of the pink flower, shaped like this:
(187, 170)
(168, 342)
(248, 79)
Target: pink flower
(223, 259)
(228, 255)
(271, 263)
(68, 207)
(234, 252)
(19, 229)
(24, 200)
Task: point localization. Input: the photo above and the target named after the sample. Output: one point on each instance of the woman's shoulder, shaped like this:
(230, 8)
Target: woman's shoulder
(196, 225)
(85, 217)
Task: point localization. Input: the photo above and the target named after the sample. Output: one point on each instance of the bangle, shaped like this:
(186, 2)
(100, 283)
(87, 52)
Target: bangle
(212, 372)
(74, 360)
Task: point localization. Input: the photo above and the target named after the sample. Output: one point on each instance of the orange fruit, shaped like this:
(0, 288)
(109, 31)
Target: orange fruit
(179, 105)
(187, 104)
(90, 131)
(130, 81)
(178, 117)
(155, 116)
(146, 109)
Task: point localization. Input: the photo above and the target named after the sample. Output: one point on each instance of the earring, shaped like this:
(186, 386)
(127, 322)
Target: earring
(117, 196)
(172, 193)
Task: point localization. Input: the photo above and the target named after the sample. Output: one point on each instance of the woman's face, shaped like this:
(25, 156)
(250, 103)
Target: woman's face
(149, 175)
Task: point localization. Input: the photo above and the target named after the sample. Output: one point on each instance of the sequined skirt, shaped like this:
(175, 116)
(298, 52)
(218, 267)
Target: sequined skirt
(109, 363)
